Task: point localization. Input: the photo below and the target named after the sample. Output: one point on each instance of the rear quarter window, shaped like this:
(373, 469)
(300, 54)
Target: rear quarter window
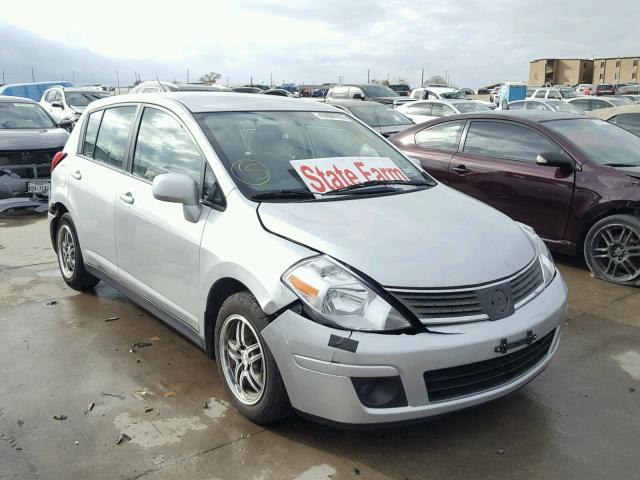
(113, 135)
(445, 136)
(91, 133)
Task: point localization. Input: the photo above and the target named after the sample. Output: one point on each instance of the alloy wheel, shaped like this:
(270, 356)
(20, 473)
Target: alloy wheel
(66, 251)
(242, 359)
(615, 252)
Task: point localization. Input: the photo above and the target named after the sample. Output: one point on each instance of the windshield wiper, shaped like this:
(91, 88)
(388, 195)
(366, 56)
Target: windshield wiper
(622, 165)
(283, 194)
(375, 183)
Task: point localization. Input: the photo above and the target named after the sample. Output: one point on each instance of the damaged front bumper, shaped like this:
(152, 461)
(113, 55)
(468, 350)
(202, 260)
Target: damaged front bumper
(371, 378)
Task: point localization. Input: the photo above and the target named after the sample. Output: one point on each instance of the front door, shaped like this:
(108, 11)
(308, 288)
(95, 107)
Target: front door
(158, 250)
(497, 165)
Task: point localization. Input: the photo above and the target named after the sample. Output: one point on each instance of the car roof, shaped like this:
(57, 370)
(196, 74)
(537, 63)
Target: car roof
(10, 99)
(198, 102)
(607, 113)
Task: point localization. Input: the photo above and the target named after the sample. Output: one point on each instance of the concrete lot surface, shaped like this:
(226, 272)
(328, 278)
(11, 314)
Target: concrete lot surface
(59, 357)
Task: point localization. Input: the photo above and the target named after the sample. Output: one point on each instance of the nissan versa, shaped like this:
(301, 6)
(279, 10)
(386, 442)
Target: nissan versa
(322, 269)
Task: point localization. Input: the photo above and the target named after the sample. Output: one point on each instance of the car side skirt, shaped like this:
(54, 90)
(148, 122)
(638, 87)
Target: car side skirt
(171, 320)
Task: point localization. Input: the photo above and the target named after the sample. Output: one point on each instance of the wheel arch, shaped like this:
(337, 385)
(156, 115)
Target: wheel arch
(218, 293)
(56, 209)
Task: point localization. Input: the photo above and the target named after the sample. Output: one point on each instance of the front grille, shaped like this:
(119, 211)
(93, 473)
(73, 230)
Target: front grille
(27, 157)
(473, 378)
(433, 306)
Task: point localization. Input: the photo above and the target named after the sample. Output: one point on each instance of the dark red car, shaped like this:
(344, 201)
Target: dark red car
(575, 179)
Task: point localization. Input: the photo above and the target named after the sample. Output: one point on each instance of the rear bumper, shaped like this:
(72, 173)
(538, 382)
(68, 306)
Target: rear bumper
(318, 377)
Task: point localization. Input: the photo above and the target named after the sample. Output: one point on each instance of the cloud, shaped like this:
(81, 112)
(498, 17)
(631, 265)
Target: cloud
(310, 41)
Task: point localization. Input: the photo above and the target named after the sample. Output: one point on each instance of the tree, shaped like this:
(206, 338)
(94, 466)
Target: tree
(436, 79)
(385, 82)
(210, 77)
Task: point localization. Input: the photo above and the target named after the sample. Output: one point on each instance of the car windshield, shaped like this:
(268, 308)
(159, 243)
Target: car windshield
(470, 107)
(82, 99)
(23, 115)
(399, 88)
(379, 91)
(560, 106)
(568, 93)
(380, 116)
(600, 141)
(257, 148)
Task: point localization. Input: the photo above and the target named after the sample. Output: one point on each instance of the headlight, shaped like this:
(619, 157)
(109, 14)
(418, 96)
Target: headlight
(335, 295)
(544, 255)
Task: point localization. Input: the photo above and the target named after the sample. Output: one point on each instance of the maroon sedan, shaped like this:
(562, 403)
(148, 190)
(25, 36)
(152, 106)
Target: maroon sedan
(575, 179)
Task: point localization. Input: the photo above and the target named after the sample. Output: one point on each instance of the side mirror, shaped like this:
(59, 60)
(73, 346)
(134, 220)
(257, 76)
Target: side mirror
(67, 123)
(358, 96)
(179, 188)
(57, 104)
(555, 159)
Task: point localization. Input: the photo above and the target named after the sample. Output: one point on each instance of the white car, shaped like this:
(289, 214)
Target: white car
(555, 93)
(425, 110)
(544, 106)
(68, 103)
(155, 86)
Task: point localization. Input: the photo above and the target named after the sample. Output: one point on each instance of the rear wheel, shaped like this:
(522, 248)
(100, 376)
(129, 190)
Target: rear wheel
(245, 363)
(612, 249)
(70, 258)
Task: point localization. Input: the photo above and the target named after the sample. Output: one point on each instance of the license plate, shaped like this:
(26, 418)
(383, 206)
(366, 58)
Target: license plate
(38, 187)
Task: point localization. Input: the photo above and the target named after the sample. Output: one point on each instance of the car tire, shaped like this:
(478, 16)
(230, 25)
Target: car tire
(612, 249)
(254, 384)
(70, 258)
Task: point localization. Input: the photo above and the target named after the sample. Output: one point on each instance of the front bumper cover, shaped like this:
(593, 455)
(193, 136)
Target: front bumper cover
(318, 376)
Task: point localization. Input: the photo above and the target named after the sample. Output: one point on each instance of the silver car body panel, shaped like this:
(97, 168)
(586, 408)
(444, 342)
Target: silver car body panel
(394, 231)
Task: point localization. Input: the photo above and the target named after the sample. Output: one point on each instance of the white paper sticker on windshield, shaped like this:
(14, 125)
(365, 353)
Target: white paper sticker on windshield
(343, 117)
(323, 175)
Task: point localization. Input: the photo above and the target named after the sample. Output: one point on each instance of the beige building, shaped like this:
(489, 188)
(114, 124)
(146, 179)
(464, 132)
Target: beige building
(560, 71)
(615, 70)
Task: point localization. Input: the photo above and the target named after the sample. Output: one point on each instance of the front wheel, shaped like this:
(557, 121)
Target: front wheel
(612, 249)
(245, 363)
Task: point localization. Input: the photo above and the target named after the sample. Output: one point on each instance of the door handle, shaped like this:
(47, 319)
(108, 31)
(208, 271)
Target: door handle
(77, 175)
(461, 170)
(126, 197)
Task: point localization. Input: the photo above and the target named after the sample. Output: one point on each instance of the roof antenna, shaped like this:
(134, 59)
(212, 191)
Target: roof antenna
(164, 88)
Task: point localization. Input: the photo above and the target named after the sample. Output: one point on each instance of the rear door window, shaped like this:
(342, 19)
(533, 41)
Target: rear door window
(420, 109)
(506, 140)
(540, 94)
(164, 146)
(445, 136)
(581, 103)
(113, 135)
(555, 95)
(91, 133)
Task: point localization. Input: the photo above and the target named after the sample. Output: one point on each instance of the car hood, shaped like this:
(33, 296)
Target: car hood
(430, 238)
(32, 139)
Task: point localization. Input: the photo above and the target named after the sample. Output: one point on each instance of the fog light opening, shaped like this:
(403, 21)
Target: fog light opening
(380, 392)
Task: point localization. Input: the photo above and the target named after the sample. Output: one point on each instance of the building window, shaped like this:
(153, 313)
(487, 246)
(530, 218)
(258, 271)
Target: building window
(635, 63)
(602, 64)
(634, 75)
(615, 76)
(602, 76)
(617, 63)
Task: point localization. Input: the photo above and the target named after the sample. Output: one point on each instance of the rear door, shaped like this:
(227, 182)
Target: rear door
(497, 165)
(434, 147)
(95, 174)
(158, 249)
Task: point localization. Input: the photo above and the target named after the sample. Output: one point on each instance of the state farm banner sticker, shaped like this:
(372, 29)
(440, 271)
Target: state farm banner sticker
(323, 175)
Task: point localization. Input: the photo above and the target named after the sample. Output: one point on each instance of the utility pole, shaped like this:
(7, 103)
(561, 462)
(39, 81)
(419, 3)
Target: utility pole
(227, 82)
(251, 80)
(118, 81)
(368, 75)
(340, 77)
(271, 80)
(187, 75)
(33, 77)
(388, 76)
(73, 78)
(446, 76)
(3, 76)
(422, 79)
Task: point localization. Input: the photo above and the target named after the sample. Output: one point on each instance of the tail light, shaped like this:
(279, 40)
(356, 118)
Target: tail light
(57, 158)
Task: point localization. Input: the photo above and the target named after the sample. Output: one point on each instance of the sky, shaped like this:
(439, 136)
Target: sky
(307, 41)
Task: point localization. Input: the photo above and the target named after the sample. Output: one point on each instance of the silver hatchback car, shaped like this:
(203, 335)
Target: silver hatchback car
(322, 270)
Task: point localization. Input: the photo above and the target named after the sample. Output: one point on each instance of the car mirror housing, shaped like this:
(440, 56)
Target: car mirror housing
(178, 188)
(358, 96)
(57, 104)
(66, 123)
(555, 159)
